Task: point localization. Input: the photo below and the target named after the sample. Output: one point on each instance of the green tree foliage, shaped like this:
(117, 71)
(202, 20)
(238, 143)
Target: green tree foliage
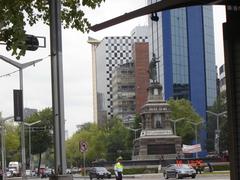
(12, 142)
(15, 14)
(219, 106)
(104, 143)
(41, 139)
(96, 141)
(182, 108)
(118, 141)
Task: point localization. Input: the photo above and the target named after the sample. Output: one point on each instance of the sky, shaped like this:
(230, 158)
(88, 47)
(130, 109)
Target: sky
(77, 63)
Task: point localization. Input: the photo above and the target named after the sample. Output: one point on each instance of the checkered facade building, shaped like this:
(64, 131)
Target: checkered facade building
(117, 51)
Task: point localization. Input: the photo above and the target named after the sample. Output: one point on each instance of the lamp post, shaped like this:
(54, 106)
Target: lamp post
(21, 67)
(2, 121)
(174, 124)
(134, 130)
(29, 141)
(217, 131)
(196, 134)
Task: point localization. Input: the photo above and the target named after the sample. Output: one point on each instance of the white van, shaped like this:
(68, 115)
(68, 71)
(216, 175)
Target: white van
(14, 167)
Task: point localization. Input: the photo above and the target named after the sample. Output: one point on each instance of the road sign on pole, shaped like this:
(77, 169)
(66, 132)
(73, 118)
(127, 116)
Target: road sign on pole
(83, 146)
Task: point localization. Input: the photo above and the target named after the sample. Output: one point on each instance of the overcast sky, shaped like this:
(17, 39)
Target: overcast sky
(76, 64)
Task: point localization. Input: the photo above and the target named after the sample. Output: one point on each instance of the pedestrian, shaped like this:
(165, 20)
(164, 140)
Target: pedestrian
(118, 168)
(198, 167)
(210, 167)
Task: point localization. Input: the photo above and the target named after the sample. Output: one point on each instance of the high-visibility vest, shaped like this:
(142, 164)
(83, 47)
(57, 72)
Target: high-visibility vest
(118, 167)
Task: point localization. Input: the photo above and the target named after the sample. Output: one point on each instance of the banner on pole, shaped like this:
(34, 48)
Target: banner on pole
(191, 148)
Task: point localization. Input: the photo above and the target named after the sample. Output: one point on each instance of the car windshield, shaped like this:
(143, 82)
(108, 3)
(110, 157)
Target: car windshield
(183, 166)
(101, 169)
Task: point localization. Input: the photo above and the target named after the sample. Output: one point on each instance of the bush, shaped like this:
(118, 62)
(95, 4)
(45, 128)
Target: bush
(223, 167)
(130, 171)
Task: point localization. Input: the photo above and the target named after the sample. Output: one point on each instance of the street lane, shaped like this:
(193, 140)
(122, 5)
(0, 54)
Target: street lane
(154, 177)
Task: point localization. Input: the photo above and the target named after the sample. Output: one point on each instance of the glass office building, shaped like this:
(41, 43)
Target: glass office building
(183, 40)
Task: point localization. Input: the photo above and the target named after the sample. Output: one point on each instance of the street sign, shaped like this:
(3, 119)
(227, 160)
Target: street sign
(83, 146)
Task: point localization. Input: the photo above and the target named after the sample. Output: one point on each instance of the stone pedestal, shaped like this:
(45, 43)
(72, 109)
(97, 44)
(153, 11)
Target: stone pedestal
(157, 140)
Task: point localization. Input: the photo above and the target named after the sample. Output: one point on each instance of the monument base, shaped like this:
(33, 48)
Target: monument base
(157, 147)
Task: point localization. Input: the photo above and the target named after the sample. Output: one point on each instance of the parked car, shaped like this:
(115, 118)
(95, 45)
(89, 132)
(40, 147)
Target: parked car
(9, 174)
(99, 172)
(28, 172)
(179, 171)
(68, 171)
(34, 173)
(75, 170)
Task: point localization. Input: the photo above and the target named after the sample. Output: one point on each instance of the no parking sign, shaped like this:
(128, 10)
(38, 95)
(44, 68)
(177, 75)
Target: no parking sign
(83, 146)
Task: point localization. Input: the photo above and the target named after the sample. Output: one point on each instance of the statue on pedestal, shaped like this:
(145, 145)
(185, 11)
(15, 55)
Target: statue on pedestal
(152, 70)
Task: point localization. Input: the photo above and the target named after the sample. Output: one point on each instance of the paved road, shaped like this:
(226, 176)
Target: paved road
(153, 177)
(160, 177)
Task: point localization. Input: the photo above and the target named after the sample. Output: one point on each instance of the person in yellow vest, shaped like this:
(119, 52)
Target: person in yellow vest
(118, 169)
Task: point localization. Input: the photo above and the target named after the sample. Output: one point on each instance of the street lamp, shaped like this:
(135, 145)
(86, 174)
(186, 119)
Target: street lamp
(196, 134)
(21, 67)
(135, 131)
(174, 124)
(2, 121)
(29, 141)
(217, 131)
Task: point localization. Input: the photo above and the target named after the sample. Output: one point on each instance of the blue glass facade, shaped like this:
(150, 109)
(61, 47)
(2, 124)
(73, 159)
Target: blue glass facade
(188, 58)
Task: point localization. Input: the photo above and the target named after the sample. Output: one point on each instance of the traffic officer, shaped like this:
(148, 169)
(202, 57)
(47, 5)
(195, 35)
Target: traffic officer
(118, 169)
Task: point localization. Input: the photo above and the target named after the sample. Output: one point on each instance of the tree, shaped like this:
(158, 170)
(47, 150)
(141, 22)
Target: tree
(15, 13)
(182, 108)
(219, 106)
(118, 141)
(42, 139)
(12, 142)
(95, 139)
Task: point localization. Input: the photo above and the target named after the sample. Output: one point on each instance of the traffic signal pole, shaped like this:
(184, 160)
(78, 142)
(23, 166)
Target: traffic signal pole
(57, 86)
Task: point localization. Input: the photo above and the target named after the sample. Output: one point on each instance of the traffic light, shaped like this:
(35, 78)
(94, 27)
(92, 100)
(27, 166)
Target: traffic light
(32, 42)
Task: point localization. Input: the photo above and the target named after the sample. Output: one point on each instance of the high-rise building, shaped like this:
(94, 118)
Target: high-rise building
(141, 64)
(27, 112)
(123, 84)
(222, 78)
(183, 40)
(110, 53)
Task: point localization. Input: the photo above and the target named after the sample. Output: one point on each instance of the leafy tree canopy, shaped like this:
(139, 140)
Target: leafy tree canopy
(219, 106)
(182, 108)
(41, 138)
(95, 139)
(15, 14)
(118, 141)
(12, 142)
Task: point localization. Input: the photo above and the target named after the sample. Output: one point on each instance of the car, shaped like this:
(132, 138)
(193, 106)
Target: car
(75, 170)
(9, 174)
(99, 172)
(28, 172)
(34, 173)
(179, 171)
(68, 171)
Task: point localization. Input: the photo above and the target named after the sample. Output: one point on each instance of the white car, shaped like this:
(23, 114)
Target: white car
(28, 172)
(9, 174)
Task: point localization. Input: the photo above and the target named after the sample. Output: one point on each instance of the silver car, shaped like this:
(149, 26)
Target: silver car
(179, 171)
